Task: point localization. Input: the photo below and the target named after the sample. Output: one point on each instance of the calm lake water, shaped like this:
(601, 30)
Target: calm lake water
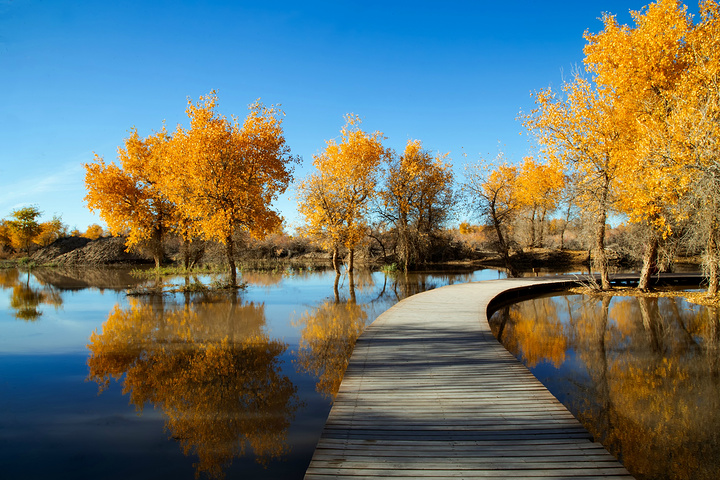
(98, 384)
(642, 375)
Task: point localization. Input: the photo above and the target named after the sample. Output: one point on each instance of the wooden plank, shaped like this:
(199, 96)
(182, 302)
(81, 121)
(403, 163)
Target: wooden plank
(429, 393)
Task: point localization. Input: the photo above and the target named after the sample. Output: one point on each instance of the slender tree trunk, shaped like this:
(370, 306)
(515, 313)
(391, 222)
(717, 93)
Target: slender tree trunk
(712, 260)
(503, 247)
(649, 264)
(541, 229)
(229, 246)
(533, 240)
(600, 257)
(335, 261)
(351, 286)
(157, 246)
(185, 247)
(351, 260)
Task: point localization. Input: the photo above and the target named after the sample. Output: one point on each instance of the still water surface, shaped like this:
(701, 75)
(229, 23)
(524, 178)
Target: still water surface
(97, 384)
(642, 375)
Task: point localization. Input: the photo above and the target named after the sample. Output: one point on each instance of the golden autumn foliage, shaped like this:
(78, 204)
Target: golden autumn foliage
(211, 180)
(210, 369)
(643, 67)
(695, 126)
(227, 174)
(585, 132)
(418, 199)
(93, 232)
(334, 200)
(129, 197)
(538, 190)
(491, 192)
(23, 228)
(51, 231)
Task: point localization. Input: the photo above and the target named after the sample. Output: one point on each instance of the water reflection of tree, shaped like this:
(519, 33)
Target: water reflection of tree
(532, 331)
(212, 371)
(327, 339)
(653, 397)
(26, 298)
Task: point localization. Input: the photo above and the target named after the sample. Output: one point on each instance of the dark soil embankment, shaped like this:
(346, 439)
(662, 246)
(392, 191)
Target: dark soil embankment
(83, 251)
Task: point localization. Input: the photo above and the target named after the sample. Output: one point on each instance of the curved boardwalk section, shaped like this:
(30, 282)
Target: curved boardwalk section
(429, 393)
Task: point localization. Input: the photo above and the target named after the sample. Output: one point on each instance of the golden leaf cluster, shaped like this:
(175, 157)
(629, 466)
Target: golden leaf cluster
(210, 180)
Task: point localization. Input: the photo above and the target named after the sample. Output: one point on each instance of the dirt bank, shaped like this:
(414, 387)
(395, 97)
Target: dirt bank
(83, 251)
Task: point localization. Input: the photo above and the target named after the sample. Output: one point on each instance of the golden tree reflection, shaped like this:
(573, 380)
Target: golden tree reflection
(25, 298)
(328, 335)
(648, 385)
(533, 332)
(211, 370)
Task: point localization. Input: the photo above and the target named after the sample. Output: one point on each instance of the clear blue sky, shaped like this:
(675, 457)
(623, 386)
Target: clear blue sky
(75, 76)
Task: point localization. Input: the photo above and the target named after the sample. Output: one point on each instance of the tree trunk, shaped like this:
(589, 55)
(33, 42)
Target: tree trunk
(649, 265)
(231, 260)
(533, 240)
(185, 248)
(157, 246)
(600, 258)
(712, 260)
(541, 229)
(351, 260)
(503, 247)
(351, 286)
(335, 262)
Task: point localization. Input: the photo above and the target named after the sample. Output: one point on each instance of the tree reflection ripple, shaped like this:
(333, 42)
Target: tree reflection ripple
(642, 374)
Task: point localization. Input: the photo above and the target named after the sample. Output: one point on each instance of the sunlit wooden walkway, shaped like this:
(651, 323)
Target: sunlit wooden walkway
(429, 393)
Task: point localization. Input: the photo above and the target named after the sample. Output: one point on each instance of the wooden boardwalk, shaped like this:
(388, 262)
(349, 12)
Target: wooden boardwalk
(429, 393)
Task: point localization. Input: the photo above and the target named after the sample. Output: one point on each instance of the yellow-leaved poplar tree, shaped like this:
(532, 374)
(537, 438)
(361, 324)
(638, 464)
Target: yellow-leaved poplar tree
(643, 67)
(539, 187)
(490, 191)
(417, 199)
(128, 195)
(588, 133)
(229, 174)
(695, 126)
(334, 200)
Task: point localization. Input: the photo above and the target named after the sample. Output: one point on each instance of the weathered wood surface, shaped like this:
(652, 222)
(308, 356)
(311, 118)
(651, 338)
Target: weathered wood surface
(429, 393)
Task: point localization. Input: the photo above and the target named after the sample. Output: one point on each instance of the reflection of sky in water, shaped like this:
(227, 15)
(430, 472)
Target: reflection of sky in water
(53, 423)
(66, 329)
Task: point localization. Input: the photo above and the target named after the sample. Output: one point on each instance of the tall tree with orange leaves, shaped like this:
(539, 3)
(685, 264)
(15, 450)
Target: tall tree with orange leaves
(490, 191)
(417, 199)
(335, 199)
(229, 174)
(695, 125)
(539, 186)
(586, 131)
(643, 66)
(129, 195)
